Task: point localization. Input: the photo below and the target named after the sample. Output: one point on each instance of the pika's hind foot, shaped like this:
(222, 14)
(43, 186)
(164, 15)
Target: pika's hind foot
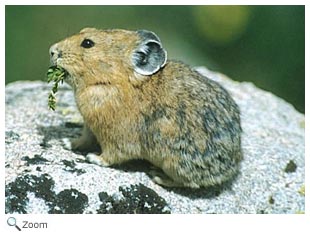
(97, 159)
(159, 177)
(162, 179)
(166, 182)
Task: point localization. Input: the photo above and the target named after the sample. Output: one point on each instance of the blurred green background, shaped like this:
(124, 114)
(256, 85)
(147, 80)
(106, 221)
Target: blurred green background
(261, 44)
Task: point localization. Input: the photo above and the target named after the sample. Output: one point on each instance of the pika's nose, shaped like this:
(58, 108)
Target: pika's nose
(55, 52)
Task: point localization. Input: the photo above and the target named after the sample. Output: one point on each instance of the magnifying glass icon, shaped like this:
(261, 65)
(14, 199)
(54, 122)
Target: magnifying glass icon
(12, 222)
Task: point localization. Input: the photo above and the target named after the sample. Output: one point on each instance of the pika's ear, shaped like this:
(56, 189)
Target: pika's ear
(149, 56)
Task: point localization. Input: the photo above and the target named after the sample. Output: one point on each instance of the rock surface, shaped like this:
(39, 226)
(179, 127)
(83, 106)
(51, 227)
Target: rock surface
(42, 176)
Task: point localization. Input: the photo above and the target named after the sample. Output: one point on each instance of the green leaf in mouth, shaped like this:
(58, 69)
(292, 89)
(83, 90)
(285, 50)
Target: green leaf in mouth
(57, 75)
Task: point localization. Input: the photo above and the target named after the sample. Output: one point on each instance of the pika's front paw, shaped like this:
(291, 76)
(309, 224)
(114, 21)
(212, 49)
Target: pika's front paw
(67, 143)
(75, 144)
(96, 159)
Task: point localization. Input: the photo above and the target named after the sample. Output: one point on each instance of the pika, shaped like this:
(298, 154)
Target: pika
(136, 104)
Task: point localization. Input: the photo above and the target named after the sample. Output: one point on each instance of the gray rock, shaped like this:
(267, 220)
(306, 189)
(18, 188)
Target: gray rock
(42, 176)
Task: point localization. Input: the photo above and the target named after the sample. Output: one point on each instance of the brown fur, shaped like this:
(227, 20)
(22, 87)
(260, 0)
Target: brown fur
(178, 120)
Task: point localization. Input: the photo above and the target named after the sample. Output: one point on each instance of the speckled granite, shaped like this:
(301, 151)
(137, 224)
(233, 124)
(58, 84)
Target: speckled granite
(42, 176)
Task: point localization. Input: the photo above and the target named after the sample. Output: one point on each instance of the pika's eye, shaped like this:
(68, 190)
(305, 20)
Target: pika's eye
(87, 43)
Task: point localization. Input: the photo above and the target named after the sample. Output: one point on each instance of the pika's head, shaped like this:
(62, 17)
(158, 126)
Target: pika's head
(94, 57)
